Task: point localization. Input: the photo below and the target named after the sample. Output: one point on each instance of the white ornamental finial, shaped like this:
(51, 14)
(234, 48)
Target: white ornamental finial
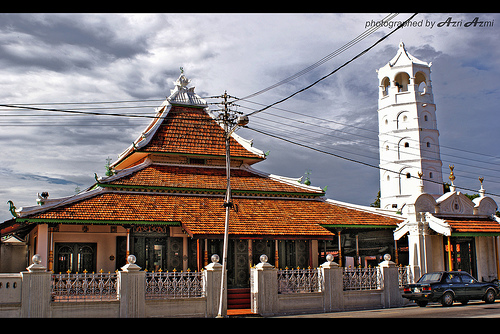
(481, 191)
(182, 94)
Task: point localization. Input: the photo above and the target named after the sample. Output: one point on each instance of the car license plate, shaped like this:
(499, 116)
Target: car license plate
(416, 290)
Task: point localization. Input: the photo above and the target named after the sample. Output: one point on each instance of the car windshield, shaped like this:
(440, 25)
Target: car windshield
(430, 277)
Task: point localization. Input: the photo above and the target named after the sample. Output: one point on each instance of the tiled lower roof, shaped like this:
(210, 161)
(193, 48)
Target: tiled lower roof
(203, 216)
(202, 178)
(473, 226)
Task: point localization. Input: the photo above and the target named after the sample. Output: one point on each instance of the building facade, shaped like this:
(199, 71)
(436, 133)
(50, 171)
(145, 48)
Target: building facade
(444, 231)
(408, 134)
(162, 200)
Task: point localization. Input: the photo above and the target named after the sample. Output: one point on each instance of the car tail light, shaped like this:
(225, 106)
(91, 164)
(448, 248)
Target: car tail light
(406, 290)
(426, 288)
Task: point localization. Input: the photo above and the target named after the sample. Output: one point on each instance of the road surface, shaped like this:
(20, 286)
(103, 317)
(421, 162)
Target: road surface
(475, 309)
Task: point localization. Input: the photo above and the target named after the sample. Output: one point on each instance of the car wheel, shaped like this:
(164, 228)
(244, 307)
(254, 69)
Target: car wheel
(489, 297)
(422, 303)
(447, 299)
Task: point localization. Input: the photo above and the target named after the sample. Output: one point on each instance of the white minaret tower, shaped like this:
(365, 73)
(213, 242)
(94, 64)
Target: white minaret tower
(408, 135)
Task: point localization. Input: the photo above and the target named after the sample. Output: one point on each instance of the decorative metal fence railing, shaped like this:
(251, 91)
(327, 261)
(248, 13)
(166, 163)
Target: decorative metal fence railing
(362, 278)
(299, 280)
(84, 287)
(175, 285)
(404, 276)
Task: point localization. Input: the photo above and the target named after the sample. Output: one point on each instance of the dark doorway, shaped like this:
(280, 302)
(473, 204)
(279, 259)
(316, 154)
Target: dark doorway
(121, 251)
(293, 254)
(238, 268)
(75, 257)
(155, 252)
(463, 254)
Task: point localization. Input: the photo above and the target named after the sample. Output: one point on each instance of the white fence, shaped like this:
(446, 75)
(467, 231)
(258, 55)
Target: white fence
(175, 285)
(299, 280)
(132, 292)
(84, 287)
(361, 278)
(328, 288)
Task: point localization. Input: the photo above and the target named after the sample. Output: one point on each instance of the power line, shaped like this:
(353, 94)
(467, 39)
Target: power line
(86, 113)
(350, 159)
(490, 177)
(424, 150)
(337, 69)
(328, 57)
(96, 102)
(77, 111)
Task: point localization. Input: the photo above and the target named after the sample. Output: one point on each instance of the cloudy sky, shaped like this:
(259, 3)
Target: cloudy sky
(68, 61)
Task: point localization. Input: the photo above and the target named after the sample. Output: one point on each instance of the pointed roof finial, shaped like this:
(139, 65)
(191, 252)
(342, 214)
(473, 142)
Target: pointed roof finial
(452, 177)
(307, 182)
(182, 94)
(481, 191)
(421, 186)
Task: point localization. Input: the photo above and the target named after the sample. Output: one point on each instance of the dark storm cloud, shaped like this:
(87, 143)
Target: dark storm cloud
(103, 57)
(34, 177)
(64, 41)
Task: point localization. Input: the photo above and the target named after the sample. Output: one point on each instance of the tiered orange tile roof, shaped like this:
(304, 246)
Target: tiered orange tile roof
(181, 130)
(192, 131)
(205, 178)
(143, 192)
(201, 216)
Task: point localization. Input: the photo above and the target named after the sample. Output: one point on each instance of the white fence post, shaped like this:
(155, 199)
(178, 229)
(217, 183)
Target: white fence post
(131, 288)
(264, 288)
(213, 275)
(35, 294)
(332, 285)
(390, 283)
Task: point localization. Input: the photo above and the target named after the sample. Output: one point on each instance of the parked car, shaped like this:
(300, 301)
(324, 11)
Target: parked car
(449, 286)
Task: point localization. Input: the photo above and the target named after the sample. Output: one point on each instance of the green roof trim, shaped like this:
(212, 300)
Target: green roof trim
(97, 221)
(475, 234)
(210, 190)
(200, 155)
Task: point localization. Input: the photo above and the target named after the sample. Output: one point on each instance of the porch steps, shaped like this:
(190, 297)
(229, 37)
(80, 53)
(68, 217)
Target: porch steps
(238, 298)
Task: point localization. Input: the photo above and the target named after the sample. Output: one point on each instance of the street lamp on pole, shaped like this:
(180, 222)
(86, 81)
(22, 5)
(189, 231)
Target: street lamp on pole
(230, 122)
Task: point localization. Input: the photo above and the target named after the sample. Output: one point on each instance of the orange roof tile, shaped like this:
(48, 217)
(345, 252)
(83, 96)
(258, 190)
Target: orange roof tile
(198, 215)
(473, 225)
(189, 130)
(242, 181)
(204, 216)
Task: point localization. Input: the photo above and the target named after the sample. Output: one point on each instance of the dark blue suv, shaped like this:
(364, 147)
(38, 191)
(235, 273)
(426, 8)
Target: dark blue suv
(449, 286)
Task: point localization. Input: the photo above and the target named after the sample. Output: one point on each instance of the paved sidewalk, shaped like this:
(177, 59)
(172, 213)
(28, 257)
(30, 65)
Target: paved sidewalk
(476, 309)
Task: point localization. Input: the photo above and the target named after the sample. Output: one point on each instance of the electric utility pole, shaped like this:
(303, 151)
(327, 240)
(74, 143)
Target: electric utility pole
(230, 122)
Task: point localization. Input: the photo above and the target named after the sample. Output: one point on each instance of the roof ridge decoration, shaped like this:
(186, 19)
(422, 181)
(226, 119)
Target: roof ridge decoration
(283, 179)
(58, 202)
(407, 58)
(181, 100)
(184, 95)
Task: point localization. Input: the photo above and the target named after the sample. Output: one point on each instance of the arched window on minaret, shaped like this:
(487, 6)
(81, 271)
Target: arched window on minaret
(386, 83)
(421, 82)
(402, 80)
